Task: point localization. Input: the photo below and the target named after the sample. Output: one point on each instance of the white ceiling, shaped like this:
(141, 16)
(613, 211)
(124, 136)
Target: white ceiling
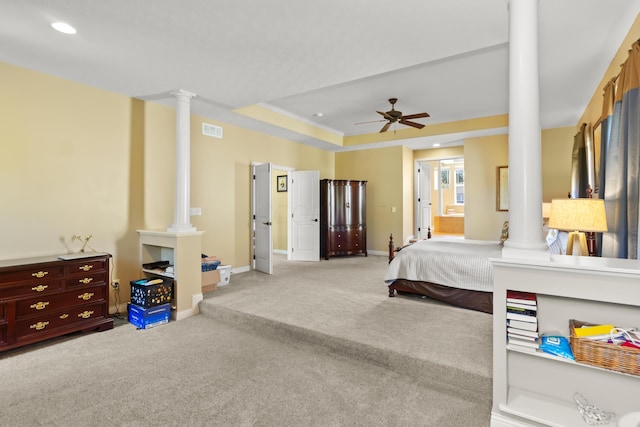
(343, 59)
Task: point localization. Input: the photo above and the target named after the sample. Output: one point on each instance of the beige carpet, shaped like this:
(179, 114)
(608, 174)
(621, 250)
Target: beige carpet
(315, 344)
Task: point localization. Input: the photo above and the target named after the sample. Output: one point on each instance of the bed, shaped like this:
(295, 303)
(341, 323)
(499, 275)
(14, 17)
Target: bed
(429, 267)
(456, 271)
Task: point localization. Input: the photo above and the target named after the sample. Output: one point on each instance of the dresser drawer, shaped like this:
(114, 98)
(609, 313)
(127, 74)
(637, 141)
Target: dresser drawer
(37, 273)
(3, 334)
(3, 312)
(85, 266)
(35, 287)
(71, 316)
(48, 303)
(85, 280)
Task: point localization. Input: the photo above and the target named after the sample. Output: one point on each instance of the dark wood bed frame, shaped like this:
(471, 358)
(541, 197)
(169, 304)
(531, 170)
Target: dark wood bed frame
(472, 300)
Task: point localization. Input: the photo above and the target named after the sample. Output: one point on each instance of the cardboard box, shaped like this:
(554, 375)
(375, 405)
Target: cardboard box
(210, 280)
(145, 318)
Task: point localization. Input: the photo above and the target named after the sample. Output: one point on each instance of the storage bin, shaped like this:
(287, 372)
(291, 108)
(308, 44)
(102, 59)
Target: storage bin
(225, 274)
(145, 318)
(602, 354)
(151, 292)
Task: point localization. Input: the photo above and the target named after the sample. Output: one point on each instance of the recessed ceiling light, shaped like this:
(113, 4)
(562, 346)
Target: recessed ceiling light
(318, 114)
(63, 27)
(436, 145)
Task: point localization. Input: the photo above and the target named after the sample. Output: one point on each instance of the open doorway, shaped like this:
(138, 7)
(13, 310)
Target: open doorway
(285, 212)
(439, 196)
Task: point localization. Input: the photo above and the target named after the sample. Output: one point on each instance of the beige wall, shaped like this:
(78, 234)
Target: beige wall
(557, 149)
(482, 221)
(79, 160)
(383, 170)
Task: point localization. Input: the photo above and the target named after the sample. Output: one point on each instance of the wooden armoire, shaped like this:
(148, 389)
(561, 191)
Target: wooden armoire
(343, 222)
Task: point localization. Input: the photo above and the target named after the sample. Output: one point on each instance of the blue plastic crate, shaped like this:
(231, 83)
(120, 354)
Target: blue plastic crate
(145, 318)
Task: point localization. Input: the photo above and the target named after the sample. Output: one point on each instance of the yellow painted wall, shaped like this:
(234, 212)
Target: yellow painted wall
(79, 160)
(383, 170)
(483, 155)
(557, 149)
(70, 164)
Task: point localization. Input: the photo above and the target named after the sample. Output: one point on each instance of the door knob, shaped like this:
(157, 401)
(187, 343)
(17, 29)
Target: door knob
(267, 223)
(315, 220)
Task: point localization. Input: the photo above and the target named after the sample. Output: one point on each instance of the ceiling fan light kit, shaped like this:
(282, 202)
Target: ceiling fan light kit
(393, 116)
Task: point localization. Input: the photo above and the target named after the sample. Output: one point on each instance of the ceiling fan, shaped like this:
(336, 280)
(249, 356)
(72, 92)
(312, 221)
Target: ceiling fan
(393, 116)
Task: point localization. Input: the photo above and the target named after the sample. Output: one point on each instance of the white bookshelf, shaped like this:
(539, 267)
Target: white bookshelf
(537, 389)
(183, 251)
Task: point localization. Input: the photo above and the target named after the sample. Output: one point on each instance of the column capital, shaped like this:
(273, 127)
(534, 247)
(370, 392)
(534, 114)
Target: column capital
(181, 93)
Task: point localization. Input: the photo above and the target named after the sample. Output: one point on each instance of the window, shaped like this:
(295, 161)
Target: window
(459, 185)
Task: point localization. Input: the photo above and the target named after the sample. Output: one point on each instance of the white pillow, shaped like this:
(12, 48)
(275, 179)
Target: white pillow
(557, 241)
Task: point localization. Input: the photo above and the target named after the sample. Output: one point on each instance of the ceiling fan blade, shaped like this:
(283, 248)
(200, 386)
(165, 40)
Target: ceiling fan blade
(416, 116)
(385, 127)
(413, 124)
(385, 115)
(372, 121)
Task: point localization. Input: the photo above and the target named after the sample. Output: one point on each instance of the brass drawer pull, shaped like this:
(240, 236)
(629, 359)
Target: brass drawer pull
(64, 316)
(85, 267)
(40, 305)
(40, 274)
(39, 326)
(86, 280)
(39, 288)
(86, 296)
(85, 314)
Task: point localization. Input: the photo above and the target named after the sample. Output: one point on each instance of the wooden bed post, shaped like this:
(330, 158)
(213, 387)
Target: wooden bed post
(391, 247)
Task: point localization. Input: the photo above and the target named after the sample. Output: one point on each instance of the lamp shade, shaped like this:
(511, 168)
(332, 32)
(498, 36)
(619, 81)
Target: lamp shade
(578, 215)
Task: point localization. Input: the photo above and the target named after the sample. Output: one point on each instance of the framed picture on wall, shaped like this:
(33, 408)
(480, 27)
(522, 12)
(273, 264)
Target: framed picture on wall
(281, 183)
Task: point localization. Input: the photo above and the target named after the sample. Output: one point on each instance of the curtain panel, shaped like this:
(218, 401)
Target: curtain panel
(621, 157)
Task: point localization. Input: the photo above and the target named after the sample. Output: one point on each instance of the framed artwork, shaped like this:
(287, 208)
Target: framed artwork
(281, 183)
(502, 188)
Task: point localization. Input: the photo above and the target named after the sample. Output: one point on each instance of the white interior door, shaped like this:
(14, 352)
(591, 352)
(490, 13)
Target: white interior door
(263, 238)
(424, 199)
(304, 202)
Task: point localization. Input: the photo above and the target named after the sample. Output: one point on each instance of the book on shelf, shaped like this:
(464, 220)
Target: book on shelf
(521, 311)
(519, 337)
(521, 297)
(524, 343)
(518, 324)
(523, 333)
(518, 306)
(522, 317)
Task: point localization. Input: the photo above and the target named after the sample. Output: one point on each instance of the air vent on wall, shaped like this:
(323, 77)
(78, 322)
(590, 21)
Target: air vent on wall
(211, 130)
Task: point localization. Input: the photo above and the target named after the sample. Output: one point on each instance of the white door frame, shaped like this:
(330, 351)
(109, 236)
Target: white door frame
(416, 187)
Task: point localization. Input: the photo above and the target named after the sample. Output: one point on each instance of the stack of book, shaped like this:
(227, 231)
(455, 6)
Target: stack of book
(522, 320)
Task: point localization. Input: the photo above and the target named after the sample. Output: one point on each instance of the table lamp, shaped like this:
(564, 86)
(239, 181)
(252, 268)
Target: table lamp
(577, 216)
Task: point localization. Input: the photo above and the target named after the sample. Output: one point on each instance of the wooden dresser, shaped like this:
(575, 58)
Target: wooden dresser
(343, 224)
(42, 298)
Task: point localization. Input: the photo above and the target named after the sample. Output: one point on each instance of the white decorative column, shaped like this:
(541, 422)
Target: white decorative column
(181, 222)
(525, 150)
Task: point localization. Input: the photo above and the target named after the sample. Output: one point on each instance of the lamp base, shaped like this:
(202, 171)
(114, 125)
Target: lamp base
(577, 244)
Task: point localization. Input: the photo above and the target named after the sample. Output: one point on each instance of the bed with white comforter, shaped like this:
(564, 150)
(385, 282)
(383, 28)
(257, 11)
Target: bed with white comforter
(454, 270)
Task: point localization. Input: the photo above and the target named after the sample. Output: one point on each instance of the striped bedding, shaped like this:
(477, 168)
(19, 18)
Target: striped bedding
(458, 263)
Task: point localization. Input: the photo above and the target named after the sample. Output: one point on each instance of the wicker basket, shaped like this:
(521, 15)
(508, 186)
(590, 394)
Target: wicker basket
(601, 354)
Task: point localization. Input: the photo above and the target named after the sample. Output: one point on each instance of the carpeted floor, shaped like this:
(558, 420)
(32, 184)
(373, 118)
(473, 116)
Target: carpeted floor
(314, 344)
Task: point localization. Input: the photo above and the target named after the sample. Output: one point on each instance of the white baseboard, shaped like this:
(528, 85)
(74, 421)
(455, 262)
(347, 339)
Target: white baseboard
(500, 420)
